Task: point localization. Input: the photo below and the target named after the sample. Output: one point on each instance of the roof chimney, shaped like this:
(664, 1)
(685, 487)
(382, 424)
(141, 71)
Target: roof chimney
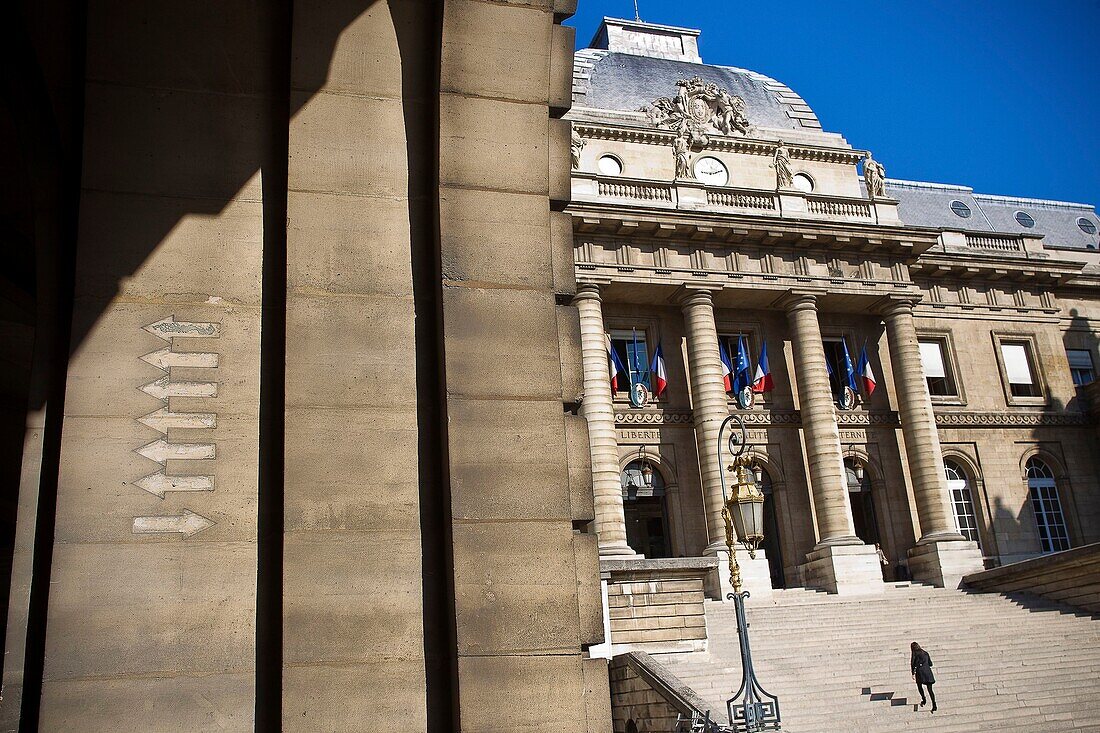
(648, 39)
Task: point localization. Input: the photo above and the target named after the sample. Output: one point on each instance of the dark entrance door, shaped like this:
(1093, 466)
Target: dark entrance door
(862, 501)
(645, 526)
(771, 543)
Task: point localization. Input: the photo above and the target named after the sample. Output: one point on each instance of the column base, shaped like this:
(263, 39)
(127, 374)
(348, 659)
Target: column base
(756, 575)
(618, 552)
(943, 564)
(845, 569)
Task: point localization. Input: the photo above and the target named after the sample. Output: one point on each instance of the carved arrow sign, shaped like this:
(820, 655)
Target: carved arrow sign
(187, 524)
(162, 388)
(162, 419)
(169, 328)
(159, 484)
(161, 450)
(165, 358)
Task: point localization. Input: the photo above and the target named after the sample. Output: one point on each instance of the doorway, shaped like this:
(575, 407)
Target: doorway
(861, 498)
(771, 545)
(645, 510)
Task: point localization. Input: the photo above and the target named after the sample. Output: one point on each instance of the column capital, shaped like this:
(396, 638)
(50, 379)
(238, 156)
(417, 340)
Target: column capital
(587, 291)
(795, 300)
(692, 294)
(891, 307)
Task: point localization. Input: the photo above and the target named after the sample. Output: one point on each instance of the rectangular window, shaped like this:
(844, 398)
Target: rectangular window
(729, 343)
(1019, 369)
(941, 382)
(834, 358)
(1080, 366)
(630, 346)
(1053, 536)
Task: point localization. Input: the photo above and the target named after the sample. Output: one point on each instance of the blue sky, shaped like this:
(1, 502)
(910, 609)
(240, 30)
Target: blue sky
(1000, 95)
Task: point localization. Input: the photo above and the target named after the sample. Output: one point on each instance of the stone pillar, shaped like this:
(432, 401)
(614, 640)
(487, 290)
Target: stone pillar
(708, 405)
(599, 410)
(815, 401)
(840, 562)
(922, 449)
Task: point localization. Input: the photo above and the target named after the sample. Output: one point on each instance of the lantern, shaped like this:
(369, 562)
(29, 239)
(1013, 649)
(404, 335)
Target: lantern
(746, 508)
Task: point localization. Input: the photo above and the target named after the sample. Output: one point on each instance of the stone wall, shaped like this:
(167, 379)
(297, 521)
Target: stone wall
(1071, 577)
(645, 692)
(657, 605)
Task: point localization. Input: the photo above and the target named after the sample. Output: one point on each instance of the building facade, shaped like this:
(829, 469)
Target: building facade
(715, 218)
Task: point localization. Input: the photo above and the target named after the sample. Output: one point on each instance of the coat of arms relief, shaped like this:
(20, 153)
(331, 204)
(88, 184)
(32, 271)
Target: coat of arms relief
(699, 108)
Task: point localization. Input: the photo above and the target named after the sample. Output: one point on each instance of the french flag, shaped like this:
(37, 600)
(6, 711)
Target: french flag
(616, 367)
(762, 380)
(657, 371)
(727, 368)
(865, 374)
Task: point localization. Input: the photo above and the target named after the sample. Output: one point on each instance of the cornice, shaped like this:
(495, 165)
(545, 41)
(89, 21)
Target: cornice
(717, 143)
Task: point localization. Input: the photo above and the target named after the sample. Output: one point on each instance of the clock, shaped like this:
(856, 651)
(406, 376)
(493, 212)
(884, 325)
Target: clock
(711, 171)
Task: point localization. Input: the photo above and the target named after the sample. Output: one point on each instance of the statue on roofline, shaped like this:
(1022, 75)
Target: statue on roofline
(874, 175)
(781, 161)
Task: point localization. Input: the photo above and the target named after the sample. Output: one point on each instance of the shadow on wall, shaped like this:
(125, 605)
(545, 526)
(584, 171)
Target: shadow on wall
(161, 116)
(1080, 335)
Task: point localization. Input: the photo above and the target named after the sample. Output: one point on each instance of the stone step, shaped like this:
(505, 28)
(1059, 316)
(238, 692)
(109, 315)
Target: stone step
(1004, 664)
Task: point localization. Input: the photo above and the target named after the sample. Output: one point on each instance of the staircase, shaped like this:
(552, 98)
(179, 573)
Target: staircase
(842, 664)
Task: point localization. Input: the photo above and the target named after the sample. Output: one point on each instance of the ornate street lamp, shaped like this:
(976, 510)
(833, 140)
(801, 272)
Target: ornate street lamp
(751, 709)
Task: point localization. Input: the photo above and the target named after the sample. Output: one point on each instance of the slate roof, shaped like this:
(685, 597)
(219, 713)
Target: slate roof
(929, 204)
(626, 82)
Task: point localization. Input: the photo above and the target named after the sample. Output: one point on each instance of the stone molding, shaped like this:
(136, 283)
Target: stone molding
(1011, 419)
(793, 418)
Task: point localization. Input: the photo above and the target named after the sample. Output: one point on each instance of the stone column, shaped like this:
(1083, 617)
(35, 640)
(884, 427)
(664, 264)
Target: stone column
(815, 401)
(708, 405)
(918, 424)
(942, 555)
(840, 562)
(599, 410)
(709, 408)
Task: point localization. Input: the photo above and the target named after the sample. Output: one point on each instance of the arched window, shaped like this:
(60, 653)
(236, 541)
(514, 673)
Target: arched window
(962, 501)
(1049, 520)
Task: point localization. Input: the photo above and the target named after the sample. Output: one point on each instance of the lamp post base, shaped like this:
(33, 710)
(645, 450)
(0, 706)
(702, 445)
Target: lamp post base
(756, 576)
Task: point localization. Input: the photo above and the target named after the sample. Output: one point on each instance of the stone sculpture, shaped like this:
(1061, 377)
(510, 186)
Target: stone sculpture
(576, 144)
(699, 108)
(874, 175)
(781, 161)
(680, 149)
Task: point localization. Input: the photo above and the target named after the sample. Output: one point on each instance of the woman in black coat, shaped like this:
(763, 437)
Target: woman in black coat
(921, 665)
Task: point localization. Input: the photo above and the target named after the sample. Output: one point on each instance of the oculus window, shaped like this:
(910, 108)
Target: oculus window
(1020, 369)
(937, 374)
(1085, 225)
(630, 346)
(1024, 219)
(802, 182)
(609, 165)
(960, 209)
(1080, 366)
